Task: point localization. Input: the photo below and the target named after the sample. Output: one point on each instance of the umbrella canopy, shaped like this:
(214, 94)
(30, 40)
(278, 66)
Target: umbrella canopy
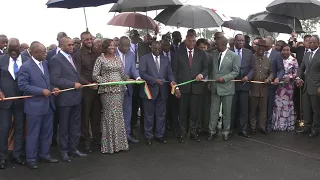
(301, 9)
(241, 25)
(190, 17)
(69, 4)
(134, 20)
(275, 23)
(143, 5)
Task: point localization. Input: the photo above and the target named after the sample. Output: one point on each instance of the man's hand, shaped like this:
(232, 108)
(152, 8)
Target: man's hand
(220, 79)
(177, 93)
(299, 82)
(77, 85)
(245, 79)
(199, 77)
(286, 80)
(2, 96)
(276, 81)
(56, 91)
(46, 93)
(173, 83)
(159, 81)
(267, 81)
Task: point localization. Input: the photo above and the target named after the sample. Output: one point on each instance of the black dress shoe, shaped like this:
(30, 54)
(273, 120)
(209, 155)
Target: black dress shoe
(19, 161)
(211, 137)
(78, 154)
(32, 165)
(2, 164)
(149, 142)
(253, 131)
(195, 137)
(87, 149)
(226, 137)
(314, 134)
(182, 139)
(50, 160)
(65, 158)
(244, 134)
(161, 140)
(133, 140)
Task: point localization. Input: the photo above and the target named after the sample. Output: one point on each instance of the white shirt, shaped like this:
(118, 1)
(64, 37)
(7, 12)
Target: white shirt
(313, 53)
(38, 63)
(222, 56)
(65, 55)
(1, 51)
(168, 55)
(269, 52)
(192, 52)
(11, 64)
(237, 50)
(57, 50)
(156, 60)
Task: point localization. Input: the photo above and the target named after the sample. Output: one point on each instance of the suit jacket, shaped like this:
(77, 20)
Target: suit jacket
(310, 72)
(51, 53)
(277, 65)
(247, 68)
(32, 81)
(148, 71)
(229, 70)
(26, 53)
(130, 68)
(64, 76)
(183, 72)
(8, 85)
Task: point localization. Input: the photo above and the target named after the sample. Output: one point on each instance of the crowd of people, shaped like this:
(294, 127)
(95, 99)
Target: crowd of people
(245, 88)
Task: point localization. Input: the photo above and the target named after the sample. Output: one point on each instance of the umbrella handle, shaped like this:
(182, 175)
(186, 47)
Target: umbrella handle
(85, 18)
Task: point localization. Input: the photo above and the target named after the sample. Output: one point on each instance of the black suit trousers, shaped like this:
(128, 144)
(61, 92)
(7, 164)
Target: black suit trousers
(189, 103)
(240, 111)
(311, 111)
(136, 104)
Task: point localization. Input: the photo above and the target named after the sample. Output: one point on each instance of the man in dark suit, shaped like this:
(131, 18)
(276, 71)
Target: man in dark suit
(34, 80)
(3, 43)
(64, 75)
(189, 63)
(155, 69)
(278, 71)
(310, 73)
(128, 59)
(176, 40)
(139, 49)
(9, 68)
(240, 104)
(26, 52)
(91, 103)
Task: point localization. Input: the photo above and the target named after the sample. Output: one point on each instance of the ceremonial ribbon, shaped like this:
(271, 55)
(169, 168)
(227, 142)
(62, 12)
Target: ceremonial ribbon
(146, 88)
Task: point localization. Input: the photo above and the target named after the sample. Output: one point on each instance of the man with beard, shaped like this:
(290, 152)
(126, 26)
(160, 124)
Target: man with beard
(91, 104)
(3, 43)
(9, 68)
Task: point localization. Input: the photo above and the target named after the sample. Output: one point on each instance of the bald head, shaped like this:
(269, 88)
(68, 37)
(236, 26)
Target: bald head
(66, 44)
(52, 46)
(24, 46)
(61, 35)
(38, 51)
(14, 48)
(269, 42)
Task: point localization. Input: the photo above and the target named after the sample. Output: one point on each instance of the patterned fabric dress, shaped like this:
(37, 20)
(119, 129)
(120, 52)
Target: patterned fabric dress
(114, 137)
(283, 112)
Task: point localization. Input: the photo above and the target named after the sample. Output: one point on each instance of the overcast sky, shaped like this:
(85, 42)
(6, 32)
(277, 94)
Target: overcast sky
(30, 20)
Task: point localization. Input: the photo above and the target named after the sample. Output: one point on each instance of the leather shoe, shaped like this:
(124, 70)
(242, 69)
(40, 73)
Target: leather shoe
(182, 139)
(78, 154)
(19, 161)
(195, 137)
(65, 158)
(133, 140)
(32, 165)
(50, 160)
(253, 131)
(244, 134)
(87, 149)
(2, 164)
(313, 134)
(161, 140)
(149, 142)
(226, 137)
(211, 137)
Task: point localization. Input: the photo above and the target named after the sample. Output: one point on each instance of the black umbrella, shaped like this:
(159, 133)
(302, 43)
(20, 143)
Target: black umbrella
(190, 17)
(275, 22)
(301, 9)
(143, 5)
(241, 25)
(70, 4)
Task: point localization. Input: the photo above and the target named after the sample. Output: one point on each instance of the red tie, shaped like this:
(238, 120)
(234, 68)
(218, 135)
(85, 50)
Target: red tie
(190, 58)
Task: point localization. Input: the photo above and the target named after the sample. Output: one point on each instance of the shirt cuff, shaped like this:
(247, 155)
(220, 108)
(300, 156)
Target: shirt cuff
(138, 78)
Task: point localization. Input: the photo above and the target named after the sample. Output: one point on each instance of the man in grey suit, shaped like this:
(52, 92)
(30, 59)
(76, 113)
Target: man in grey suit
(309, 71)
(240, 105)
(223, 67)
(26, 52)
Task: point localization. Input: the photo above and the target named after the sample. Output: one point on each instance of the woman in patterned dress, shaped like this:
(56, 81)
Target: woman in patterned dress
(283, 112)
(109, 68)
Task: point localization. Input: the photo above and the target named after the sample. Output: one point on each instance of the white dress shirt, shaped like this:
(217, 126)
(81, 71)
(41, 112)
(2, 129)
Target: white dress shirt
(313, 53)
(1, 51)
(192, 52)
(222, 57)
(156, 60)
(39, 64)
(168, 55)
(58, 50)
(269, 52)
(11, 64)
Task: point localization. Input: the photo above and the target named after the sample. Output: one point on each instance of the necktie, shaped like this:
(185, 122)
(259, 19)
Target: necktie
(219, 60)
(190, 58)
(266, 54)
(15, 69)
(124, 60)
(41, 67)
(305, 51)
(311, 56)
(136, 53)
(157, 63)
(71, 61)
(167, 54)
